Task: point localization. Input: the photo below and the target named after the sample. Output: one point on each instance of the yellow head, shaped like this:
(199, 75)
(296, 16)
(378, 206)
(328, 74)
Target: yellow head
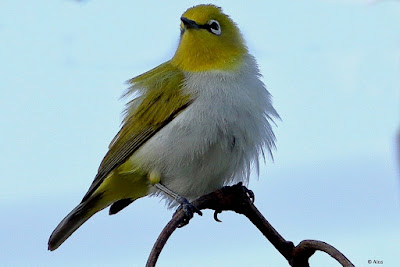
(210, 40)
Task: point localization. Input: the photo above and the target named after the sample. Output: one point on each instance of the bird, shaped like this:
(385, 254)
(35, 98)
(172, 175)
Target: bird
(193, 124)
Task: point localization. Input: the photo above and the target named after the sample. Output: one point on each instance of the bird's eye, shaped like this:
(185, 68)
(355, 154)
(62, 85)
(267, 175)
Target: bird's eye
(214, 27)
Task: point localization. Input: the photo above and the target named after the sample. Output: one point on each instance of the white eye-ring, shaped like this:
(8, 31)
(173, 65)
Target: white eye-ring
(214, 27)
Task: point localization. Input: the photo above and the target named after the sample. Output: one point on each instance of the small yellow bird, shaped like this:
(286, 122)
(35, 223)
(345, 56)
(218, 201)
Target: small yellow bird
(200, 121)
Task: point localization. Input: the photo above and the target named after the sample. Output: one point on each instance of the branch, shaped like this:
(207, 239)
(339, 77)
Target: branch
(306, 248)
(238, 198)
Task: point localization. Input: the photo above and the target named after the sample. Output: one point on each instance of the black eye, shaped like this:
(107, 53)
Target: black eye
(214, 27)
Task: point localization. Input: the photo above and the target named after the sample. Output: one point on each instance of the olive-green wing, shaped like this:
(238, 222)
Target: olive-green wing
(160, 102)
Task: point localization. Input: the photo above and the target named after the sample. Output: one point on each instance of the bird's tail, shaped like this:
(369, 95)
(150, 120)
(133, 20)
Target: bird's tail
(75, 219)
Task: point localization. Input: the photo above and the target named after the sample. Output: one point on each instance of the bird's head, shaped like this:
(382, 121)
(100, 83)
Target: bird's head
(210, 40)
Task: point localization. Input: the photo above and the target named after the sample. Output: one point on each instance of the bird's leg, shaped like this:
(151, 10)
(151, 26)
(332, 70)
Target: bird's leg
(188, 208)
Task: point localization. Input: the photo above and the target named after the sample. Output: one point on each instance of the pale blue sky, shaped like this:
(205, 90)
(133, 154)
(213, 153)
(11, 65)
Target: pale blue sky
(333, 68)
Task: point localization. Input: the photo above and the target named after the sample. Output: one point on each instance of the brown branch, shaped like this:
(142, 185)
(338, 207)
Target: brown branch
(306, 248)
(236, 198)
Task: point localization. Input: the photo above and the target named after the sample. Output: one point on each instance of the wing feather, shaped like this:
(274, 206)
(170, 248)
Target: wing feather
(161, 100)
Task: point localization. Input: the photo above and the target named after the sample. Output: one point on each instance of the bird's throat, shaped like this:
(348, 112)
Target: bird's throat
(191, 55)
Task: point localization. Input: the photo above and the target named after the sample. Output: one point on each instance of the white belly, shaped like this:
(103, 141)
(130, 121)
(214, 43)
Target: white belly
(218, 138)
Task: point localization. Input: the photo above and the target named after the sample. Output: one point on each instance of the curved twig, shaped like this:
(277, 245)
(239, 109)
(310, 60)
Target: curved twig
(306, 248)
(239, 199)
(162, 239)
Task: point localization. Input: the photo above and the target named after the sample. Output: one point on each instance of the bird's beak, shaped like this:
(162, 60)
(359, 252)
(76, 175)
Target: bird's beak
(189, 23)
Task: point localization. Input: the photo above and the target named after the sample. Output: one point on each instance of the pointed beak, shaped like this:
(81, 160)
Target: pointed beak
(189, 23)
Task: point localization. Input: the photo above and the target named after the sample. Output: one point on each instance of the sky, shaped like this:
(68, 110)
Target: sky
(333, 68)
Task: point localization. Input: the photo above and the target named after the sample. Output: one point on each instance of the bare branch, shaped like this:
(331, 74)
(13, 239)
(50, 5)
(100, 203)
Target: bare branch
(163, 237)
(239, 199)
(306, 248)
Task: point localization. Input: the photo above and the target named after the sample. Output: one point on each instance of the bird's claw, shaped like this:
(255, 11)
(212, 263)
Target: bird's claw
(216, 215)
(249, 194)
(189, 209)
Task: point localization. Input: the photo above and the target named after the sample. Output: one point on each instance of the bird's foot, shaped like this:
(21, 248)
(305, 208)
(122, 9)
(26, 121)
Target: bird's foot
(249, 193)
(189, 210)
(245, 190)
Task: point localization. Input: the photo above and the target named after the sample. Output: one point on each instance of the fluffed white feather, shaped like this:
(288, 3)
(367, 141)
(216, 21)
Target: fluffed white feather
(219, 137)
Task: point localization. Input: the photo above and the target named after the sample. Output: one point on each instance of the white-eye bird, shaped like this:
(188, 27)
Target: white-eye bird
(199, 121)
